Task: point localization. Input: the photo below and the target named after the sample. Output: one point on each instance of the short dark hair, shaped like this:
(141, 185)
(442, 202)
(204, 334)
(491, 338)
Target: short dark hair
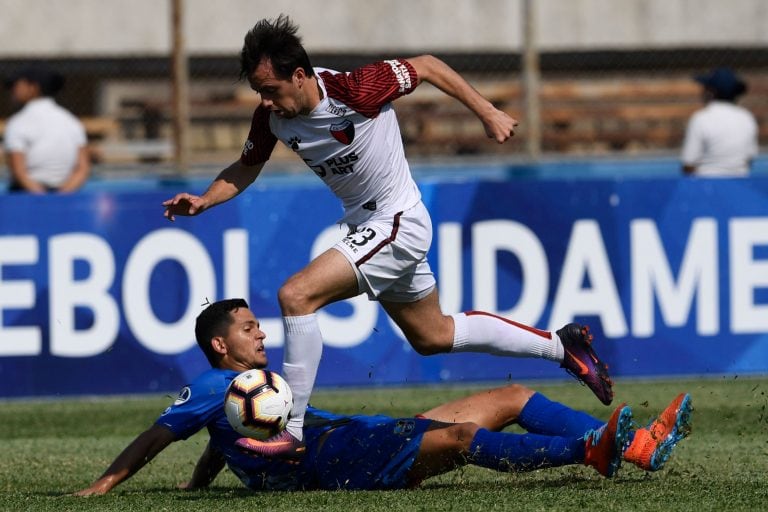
(49, 80)
(215, 321)
(278, 41)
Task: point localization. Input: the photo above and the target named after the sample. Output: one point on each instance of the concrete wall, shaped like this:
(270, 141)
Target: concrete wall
(81, 28)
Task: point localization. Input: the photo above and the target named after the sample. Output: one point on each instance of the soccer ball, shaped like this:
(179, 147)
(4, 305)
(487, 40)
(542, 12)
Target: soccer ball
(257, 403)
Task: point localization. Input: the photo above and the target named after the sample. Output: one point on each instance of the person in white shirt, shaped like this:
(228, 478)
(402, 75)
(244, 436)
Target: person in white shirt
(721, 138)
(45, 144)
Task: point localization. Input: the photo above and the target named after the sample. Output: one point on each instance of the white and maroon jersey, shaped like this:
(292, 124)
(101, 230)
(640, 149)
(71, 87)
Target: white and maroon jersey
(351, 140)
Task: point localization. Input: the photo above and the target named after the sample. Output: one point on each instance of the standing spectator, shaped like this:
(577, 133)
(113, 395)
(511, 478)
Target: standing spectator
(721, 138)
(45, 144)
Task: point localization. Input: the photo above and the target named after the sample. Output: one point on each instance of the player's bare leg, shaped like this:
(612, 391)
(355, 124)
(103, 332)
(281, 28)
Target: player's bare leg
(431, 332)
(443, 448)
(493, 409)
(327, 278)
(425, 326)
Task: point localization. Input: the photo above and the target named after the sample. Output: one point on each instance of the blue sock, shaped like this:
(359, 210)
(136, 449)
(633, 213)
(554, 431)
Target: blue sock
(505, 451)
(543, 416)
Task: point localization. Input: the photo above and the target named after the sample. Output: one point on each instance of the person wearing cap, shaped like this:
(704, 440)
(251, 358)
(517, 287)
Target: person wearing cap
(45, 145)
(721, 138)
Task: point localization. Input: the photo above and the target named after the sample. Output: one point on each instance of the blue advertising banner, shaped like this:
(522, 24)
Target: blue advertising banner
(99, 293)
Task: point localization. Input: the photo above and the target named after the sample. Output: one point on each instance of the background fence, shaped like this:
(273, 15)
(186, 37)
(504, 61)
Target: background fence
(613, 80)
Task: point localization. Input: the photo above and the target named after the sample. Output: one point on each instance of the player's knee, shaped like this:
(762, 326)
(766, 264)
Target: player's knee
(294, 298)
(463, 434)
(518, 390)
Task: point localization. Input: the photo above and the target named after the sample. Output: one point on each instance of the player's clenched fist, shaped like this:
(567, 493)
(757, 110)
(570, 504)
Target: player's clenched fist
(500, 126)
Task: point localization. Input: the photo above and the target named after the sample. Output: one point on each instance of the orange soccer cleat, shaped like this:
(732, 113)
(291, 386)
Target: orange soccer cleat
(652, 445)
(605, 446)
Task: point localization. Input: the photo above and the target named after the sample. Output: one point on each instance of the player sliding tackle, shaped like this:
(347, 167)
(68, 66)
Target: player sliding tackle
(379, 452)
(344, 127)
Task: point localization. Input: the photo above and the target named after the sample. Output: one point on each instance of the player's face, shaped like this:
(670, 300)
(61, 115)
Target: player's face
(283, 97)
(244, 343)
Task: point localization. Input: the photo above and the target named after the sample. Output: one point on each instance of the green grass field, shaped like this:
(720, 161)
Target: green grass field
(51, 448)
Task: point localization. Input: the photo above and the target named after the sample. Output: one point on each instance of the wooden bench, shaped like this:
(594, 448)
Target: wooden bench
(96, 128)
(593, 114)
(577, 115)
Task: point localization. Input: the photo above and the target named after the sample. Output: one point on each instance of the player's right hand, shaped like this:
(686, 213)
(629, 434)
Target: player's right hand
(183, 204)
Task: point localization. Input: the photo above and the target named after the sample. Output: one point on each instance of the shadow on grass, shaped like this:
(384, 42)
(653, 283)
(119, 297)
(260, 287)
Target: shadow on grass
(525, 484)
(584, 482)
(166, 491)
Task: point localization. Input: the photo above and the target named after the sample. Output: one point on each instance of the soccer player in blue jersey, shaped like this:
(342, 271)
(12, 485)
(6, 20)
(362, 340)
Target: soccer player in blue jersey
(380, 452)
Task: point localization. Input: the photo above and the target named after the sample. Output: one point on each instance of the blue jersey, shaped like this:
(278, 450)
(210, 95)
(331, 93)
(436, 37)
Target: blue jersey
(343, 452)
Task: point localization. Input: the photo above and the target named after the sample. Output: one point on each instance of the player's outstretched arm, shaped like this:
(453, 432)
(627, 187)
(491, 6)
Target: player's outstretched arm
(498, 124)
(142, 450)
(229, 183)
(209, 465)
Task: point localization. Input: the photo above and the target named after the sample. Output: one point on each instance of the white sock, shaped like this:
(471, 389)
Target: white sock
(301, 357)
(476, 331)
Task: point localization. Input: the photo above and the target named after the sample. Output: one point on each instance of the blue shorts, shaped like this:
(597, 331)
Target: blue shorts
(369, 452)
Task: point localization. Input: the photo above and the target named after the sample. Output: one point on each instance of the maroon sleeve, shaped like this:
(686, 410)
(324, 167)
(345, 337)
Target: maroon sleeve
(261, 141)
(370, 87)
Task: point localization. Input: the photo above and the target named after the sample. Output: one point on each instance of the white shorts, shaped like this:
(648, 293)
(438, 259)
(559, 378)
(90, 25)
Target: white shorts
(389, 255)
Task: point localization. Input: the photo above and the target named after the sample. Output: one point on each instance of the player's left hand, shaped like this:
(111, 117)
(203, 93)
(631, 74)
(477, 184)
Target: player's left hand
(499, 126)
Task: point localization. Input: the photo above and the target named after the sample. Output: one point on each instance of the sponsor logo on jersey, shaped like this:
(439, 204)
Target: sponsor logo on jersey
(294, 142)
(317, 169)
(336, 110)
(401, 74)
(343, 132)
(342, 164)
(349, 244)
(184, 395)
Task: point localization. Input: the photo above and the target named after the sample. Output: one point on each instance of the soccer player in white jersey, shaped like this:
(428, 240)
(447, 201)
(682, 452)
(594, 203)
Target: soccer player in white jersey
(343, 126)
